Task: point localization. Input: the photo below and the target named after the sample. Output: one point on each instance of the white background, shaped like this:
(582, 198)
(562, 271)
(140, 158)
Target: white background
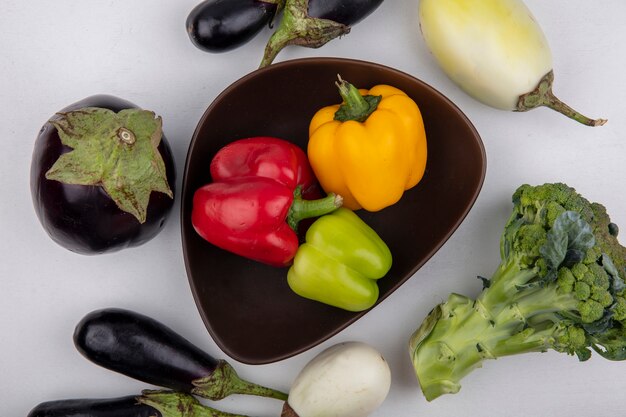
(54, 53)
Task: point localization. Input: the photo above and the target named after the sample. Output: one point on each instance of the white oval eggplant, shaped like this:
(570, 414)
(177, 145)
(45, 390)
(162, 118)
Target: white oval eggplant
(495, 51)
(349, 379)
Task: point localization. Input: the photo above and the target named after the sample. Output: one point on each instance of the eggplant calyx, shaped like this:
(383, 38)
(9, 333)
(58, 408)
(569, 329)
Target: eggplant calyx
(543, 96)
(224, 381)
(178, 404)
(116, 151)
(298, 28)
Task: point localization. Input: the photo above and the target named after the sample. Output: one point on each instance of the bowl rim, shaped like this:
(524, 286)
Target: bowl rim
(324, 61)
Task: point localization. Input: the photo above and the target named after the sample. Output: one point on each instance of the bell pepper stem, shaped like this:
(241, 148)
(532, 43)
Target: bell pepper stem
(305, 209)
(356, 106)
(298, 28)
(543, 96)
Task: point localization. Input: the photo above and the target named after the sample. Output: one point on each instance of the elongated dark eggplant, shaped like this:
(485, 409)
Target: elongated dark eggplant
(348, 12)
(85, 218)
(109, 407)
(143, 348)
(222, 25)
(148, 404)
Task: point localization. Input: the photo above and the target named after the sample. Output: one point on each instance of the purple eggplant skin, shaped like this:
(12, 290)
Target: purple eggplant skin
(223, 25)
(142, 348)
(109, 407)
(347, 12)
(84, 219)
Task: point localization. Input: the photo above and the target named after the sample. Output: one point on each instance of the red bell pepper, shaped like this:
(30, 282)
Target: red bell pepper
(253, 206)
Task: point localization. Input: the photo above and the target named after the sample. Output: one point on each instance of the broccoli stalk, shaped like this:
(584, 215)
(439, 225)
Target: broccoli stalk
(558, 287)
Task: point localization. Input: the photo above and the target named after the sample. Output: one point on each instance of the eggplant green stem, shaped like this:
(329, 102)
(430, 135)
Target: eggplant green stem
(305, 209)
(177, 404)
(543, 96)
(356, 106)
(224, 381)
(298, 28)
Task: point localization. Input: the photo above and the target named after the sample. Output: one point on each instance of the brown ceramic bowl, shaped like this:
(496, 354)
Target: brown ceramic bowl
(248, 307)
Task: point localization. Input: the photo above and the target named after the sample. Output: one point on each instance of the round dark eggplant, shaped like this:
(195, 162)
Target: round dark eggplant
(142, 348)
(347, 12)
(222, 25)
(109, 407)
(84, 218)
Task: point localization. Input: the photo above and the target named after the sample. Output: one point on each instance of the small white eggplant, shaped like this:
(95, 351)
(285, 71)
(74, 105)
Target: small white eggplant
(349, 379)
(495, 51)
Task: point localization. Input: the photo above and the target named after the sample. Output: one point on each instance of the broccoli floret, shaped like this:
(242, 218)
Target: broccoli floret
(619, 309)
(590, 311)
(582, 290)
(560, 286)
(602, 296)
(593, 256)
(598, 276)
(566, 280)
(580, 271)
(529, 239)
(553, 211)
(571, 340)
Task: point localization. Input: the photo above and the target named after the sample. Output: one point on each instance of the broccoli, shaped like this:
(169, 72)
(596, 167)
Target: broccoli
(559, 286)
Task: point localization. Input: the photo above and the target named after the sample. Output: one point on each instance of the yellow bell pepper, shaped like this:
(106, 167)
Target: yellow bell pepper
(369, 149)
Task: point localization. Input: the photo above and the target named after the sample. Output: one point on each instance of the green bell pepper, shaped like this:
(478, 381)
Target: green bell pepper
(340, 262)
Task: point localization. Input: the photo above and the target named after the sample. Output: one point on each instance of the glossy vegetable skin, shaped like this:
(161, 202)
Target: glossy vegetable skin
(84, 218)
(254, 204)
(496, 52)
(340, 262)
(110, 407)
(268, 157)
(350, 379)
(342, 11)
(222, 25)
(150, 403)
(143, 348)
(369, 150)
